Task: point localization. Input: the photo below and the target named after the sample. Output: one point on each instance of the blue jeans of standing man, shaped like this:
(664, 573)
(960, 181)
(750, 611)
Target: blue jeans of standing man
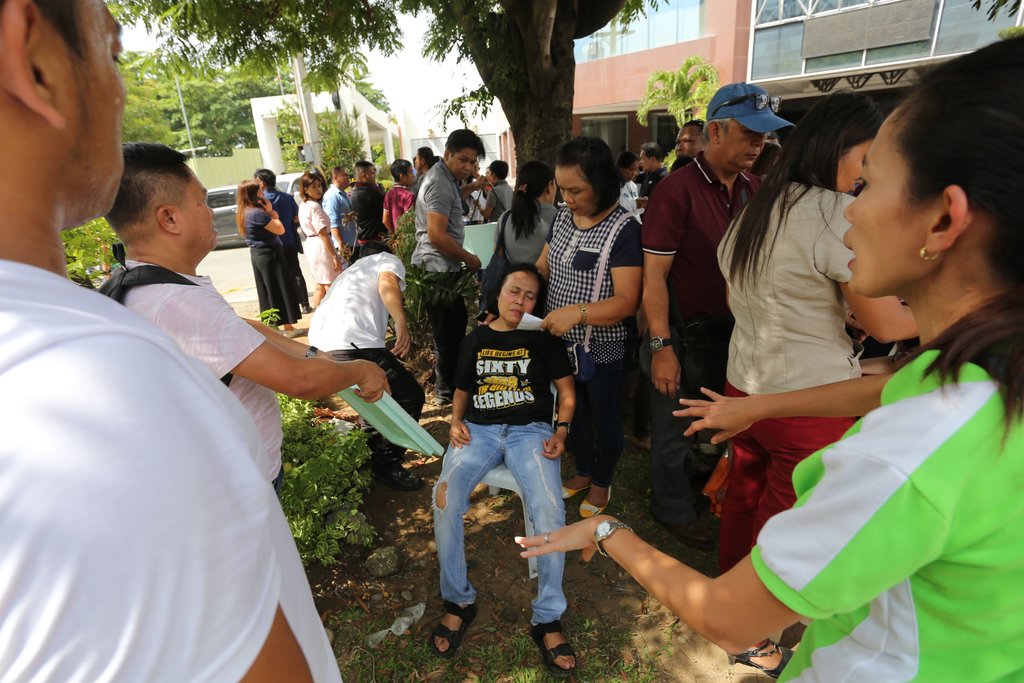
(597, 439)
(521, 448)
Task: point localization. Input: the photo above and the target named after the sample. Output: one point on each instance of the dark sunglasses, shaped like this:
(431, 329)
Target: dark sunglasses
(761, 101)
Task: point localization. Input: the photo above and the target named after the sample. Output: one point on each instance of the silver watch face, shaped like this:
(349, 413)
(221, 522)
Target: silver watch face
(603, 529)
(657, 344)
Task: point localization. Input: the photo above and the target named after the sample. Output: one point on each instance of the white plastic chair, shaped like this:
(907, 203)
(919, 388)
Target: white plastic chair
(501, 478)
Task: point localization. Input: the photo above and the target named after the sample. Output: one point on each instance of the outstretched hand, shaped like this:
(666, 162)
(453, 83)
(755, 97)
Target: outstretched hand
(728, 415)
(578, 536)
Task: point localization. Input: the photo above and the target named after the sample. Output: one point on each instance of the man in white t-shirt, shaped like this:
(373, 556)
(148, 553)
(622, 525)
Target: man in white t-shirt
(350, 323)
(162, 217)
(141, 541)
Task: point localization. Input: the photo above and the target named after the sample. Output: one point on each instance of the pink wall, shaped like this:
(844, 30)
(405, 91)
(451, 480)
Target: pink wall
(621, 79)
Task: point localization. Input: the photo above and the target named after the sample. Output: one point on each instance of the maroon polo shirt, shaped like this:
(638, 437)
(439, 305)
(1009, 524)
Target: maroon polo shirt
(687, 217)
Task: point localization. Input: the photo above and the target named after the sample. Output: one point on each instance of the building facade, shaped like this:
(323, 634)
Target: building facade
(797, 49)
(613, 65)
(804, 49)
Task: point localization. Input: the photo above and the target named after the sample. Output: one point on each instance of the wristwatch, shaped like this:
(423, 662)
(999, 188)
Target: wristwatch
(606, 529)
(658, 343)
(311, 352)
(568, 427)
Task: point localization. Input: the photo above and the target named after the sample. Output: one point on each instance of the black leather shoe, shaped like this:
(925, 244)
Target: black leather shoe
(696, 534)
(399, 479)
(306, 309)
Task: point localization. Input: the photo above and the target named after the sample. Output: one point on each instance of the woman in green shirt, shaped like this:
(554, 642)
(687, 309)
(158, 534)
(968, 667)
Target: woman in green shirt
(905, 545)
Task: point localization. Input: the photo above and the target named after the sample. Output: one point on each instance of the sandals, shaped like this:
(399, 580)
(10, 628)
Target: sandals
(454, 638)
(537, 632)
(766, 648)
(568, 493)
(589, 510)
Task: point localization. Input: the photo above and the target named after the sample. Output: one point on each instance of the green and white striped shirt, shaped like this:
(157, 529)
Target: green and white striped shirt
(906, 544)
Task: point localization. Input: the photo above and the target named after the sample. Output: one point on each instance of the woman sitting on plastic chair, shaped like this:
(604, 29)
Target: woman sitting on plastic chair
(501, 412)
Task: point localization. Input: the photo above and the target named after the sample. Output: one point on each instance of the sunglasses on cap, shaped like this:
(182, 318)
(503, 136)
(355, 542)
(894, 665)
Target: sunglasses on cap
(761, 101)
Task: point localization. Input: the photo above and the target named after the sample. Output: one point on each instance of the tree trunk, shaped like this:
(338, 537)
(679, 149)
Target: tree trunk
(541, 117)
(532, 73)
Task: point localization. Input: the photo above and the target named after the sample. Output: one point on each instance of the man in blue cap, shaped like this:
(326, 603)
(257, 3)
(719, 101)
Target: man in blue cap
(685, 293)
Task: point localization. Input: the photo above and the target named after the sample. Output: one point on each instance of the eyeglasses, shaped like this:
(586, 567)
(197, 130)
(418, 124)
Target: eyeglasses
(761, 102)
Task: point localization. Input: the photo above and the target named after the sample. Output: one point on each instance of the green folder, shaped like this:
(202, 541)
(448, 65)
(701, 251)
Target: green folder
(479, 241)
(394, 424)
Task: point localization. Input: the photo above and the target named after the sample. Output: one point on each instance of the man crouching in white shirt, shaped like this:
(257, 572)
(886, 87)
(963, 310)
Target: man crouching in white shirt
(163, 219)
(351, 323)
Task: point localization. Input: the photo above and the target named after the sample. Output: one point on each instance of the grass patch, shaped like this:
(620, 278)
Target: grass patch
(506, 655)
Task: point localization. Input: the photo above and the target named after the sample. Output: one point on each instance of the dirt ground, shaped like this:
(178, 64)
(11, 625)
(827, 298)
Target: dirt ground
(599, 593)
(620, 633)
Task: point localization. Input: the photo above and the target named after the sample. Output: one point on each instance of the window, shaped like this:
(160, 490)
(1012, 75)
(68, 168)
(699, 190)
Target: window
(221, 198)
(963, 28)
(777, 51)
(837, 61)
(673, 21)
(664, 130)
(767, 10)
(894, 53)
(611, 129)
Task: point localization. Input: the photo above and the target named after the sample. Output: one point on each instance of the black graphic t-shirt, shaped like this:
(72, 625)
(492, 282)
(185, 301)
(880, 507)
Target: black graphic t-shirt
(508, 375)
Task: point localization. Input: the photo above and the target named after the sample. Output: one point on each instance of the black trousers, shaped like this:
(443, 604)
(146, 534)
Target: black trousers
(274, 288)
(404, 389)
(291, 260)
(448, 328)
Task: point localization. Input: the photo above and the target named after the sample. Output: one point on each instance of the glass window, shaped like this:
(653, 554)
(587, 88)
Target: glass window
(611, 129)
(674, 21)
(218, 199)
(825, 6)
(769, 11)
(777, 51)
(664, 24)
(837, 61)
(691, 20)
(895, 53)
(963, 28)
(664, 129)
(792, 9)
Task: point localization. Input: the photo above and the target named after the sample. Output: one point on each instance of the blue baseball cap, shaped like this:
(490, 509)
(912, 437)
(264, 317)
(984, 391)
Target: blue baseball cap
(750, 105)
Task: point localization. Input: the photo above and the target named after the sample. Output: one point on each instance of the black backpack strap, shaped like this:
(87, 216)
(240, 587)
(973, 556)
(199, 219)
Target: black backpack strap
(123, 279)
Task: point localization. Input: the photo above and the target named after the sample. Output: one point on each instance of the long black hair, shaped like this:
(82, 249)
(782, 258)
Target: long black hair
(532, 181)
(977, 96)
(810, 159)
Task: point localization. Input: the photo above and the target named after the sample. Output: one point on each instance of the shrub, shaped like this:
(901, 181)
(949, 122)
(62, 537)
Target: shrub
(87, 249)
(324, 483)
(422, 287)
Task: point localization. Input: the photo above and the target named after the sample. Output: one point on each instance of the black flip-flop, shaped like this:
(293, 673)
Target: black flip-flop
(454, 638)
(537, 632)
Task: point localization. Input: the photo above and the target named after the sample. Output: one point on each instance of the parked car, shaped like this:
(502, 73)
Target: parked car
(222, 201)
(288, 183)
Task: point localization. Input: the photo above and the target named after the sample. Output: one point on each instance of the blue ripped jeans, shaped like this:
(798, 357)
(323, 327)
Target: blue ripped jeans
(521, 448)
